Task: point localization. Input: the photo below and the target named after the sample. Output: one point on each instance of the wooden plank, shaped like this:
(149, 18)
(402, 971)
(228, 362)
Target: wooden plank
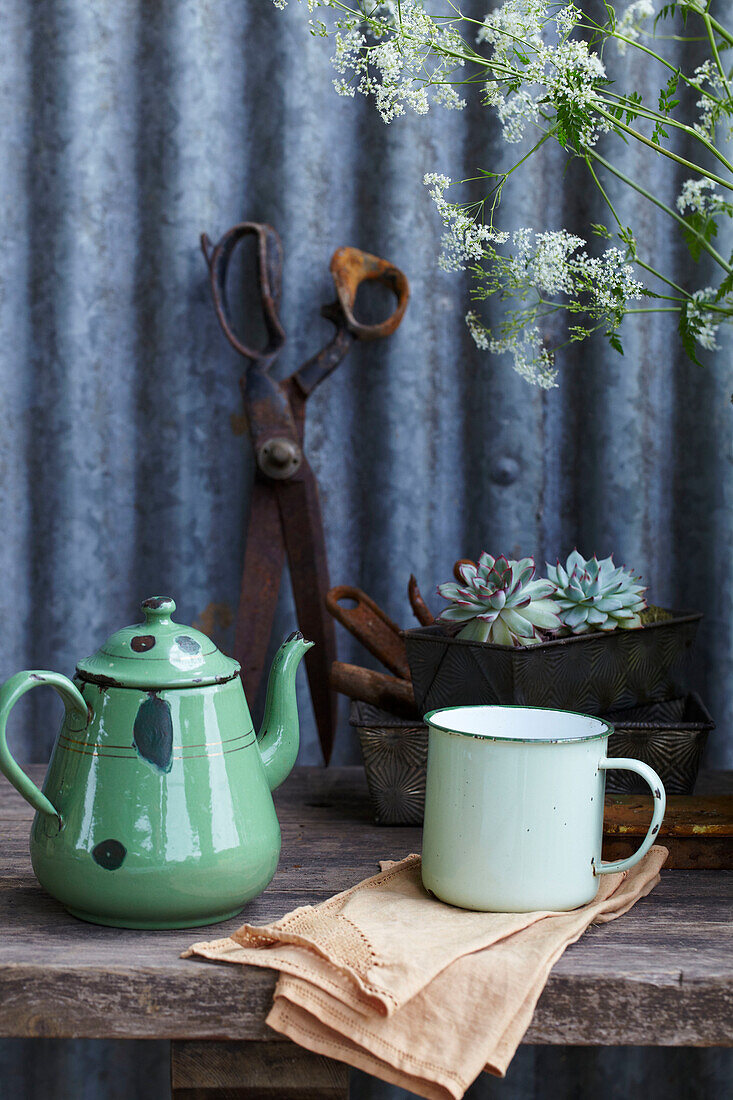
(664, 1010)
(697, 829)
(685, 853)
(685, 816)
(663, 974)
(277, 1070)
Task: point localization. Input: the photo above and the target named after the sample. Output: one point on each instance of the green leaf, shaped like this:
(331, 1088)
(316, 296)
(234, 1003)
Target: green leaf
(704, 225)
(725, 288)
(688, 337)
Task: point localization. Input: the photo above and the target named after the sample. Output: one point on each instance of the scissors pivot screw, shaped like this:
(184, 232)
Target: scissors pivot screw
(279, 458)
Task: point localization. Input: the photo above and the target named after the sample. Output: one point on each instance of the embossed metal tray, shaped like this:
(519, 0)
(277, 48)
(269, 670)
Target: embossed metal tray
(395, 752)
(669, 736)
(590, 673)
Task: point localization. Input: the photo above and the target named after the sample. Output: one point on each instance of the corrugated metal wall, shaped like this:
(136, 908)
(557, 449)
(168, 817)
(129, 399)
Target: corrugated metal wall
(128, 128)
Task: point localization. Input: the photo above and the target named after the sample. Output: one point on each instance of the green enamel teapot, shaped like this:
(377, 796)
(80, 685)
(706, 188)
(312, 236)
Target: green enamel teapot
(157, 811)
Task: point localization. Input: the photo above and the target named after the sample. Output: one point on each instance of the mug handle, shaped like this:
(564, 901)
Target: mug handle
(660, 803)
(11, 691)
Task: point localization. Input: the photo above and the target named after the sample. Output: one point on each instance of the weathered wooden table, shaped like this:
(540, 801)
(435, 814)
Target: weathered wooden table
(662, 975)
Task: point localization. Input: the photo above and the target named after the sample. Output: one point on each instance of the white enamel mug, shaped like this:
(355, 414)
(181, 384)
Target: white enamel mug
(514, 808)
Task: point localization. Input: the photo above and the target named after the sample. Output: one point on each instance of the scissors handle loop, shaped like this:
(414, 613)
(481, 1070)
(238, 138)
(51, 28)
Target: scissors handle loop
(269, 267)
(350, 267)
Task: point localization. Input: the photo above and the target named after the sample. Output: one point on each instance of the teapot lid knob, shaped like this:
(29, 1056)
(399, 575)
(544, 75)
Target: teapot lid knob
(158, 609)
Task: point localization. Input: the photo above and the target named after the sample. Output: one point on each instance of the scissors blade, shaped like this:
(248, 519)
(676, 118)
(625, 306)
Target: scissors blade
(264, 557)
(300, 512)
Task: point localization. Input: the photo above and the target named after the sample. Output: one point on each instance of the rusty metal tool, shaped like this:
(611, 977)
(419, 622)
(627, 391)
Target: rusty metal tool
(420, 609)
(285, 513)
(371, 626)
(377, 688)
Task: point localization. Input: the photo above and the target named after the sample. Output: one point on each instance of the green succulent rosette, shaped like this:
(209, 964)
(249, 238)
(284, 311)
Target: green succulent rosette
(596, 595)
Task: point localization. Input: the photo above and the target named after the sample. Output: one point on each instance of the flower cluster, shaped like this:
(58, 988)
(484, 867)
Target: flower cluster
(714, 102)
(609, 280)
(701, 322)
(531, 359)
(629, 27)
(515, 23)
(311, 4)
(543, 260)
(465, 238)
(535, 67)
(542, 266)
(540, 66)
(399, 55)
(694, 196)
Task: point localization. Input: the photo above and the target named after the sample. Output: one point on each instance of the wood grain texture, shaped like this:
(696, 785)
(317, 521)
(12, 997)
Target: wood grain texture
(662, 974)
(697, 829)
(685, 816)
(254, 1071)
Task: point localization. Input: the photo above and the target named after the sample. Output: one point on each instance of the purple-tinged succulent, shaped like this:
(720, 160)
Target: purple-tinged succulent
(499, 601)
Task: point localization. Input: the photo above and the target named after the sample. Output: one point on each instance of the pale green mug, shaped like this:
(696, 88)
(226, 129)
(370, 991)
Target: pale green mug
(514, 808)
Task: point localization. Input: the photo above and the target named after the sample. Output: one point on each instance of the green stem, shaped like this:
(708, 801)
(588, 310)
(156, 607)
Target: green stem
(655, 309)
(666, 120)
(716, 55)
(507, 174)
(724, 34)
(664, 279)
(664, 152)
(662, 206)
(639, 262)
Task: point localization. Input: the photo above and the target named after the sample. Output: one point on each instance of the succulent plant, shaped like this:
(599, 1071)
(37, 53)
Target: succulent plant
(596, 595)
(499, 601)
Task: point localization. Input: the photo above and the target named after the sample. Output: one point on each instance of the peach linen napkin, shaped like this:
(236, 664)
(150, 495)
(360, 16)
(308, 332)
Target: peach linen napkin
(409, 989)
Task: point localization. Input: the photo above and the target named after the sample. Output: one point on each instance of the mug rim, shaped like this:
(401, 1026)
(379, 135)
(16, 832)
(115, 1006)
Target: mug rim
(607, 727)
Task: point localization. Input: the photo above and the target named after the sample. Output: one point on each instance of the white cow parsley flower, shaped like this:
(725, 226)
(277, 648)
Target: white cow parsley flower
(566, 19)
(479, 332)
(706, 78)
(693, 197)
(531, 359)
(311, 4)
(534, 66)
(515, 113)
(465, 238)
(544, 263)
(348, 46)
(399, 55)
(537, 70)
(551, 263)
(630, 24)
(513, 24)
(550, 273)
(701, 321)
(609, 281)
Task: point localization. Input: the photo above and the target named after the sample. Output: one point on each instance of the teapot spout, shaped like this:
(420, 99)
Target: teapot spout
(279, 736)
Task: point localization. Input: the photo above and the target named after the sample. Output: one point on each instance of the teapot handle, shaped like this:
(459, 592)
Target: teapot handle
(10, 693)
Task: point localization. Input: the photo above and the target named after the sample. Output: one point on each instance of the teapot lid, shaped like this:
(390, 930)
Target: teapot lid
(157, 653)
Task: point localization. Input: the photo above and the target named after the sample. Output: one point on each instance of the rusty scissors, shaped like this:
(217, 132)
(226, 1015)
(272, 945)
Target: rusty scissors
(285, 511)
